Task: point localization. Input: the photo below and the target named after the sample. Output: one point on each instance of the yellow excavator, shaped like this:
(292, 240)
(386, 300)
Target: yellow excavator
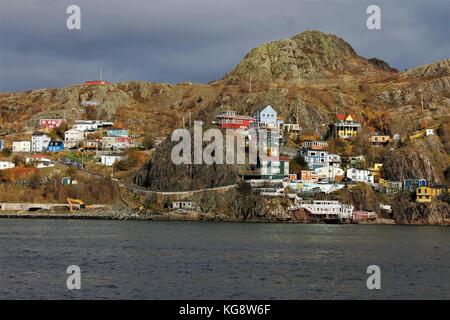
(71, 203)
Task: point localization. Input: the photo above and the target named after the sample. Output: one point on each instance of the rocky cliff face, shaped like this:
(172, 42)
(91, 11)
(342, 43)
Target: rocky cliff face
(161, 174)
(308, 55)
(424, 158)
(410, 212)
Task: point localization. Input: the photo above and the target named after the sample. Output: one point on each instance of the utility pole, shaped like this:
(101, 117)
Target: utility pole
(421, 100)
(101, 74)
(250, 83)
(189, 119)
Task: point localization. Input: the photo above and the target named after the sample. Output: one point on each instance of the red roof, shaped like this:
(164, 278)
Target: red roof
(96, 82)
(343, 116)
(38, 156)
(274, 158)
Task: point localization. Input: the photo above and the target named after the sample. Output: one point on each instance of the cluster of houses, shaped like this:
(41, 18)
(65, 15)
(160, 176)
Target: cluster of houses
(113, 141)
(325, 173)
(116, 139)
(270, 166)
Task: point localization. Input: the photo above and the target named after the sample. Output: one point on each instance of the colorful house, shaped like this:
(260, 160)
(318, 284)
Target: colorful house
(309, 176)
(273, 167)
(117, 132)
(55, 146)
(96, 83)
(230, 120)
(267, 118)
(346, 126)
(428, 194)
(116, 143)
(413, 184)
(379, 140)
(49, 124)
(314, 144)
(315, 158)
(376, 170)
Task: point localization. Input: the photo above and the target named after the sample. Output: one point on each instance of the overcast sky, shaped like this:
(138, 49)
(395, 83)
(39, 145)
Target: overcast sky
(197, 40)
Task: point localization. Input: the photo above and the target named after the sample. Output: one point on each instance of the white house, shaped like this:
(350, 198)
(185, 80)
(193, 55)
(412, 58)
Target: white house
(429, 132)
(21, 146)
(73, 135)
(333, 160)
(315, 158)
(109, 160)
(360, 175)
(39, 161)
(292, 127)
(37, 158)
(329, 172)
(331, 209)
(39, 142)
(6, 165)
(85, 125)
(184, 205)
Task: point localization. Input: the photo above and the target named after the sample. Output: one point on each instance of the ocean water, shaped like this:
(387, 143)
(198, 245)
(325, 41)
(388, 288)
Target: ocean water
(205, 260)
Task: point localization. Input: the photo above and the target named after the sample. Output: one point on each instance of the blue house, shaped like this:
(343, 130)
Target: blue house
(266, 116)
(412, 184)
(115, 132)
(55, 146)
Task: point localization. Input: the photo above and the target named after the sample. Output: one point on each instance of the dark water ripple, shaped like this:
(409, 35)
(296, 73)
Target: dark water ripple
(189, 260)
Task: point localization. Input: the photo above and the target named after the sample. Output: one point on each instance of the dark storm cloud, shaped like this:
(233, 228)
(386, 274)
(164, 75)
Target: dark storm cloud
(197, 40)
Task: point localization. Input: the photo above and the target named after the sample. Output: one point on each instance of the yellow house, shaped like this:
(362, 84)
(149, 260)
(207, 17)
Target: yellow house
(376, 169)
(379, 139)
(383, 182)
(427, 194)
(346, 126)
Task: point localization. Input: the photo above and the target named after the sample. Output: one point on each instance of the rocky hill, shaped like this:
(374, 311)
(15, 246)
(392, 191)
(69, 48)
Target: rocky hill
(308, 55)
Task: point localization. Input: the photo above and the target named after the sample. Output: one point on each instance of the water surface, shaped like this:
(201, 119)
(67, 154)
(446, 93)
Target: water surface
(197, 260)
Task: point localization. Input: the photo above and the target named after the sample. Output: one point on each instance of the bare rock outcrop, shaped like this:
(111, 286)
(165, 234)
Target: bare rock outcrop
(421, 159)
(308, 55)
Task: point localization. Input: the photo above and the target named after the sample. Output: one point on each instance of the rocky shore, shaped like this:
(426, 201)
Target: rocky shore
(125, 214)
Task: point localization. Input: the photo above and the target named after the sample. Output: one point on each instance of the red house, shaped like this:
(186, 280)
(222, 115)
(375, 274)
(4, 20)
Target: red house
(96, 83)
(50, 124)
(124, 140)
(230, 120)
